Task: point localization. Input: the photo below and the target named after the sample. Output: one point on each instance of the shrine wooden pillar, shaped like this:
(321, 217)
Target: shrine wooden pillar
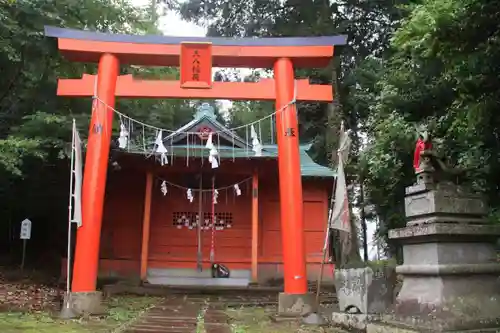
(146, 225)
(94, 177)
(255, 227)
(291, 205)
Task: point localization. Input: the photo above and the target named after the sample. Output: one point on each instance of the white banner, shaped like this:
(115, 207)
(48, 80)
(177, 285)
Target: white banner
(340, 217)
(77, 174)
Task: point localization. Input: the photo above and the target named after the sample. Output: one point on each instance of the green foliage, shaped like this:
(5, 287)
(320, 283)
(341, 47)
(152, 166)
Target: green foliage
(432, 62)
(442, 72)
(121, 312)
(14, 149)
(35, 124)
(32, 118)
(243, 113)
(373, 264)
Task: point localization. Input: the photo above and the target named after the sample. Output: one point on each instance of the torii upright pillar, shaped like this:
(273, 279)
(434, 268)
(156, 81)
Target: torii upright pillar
(84, 297)
(94, 177)
(291, 203)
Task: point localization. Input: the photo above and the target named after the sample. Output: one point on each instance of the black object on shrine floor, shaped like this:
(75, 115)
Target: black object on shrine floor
(220, 271)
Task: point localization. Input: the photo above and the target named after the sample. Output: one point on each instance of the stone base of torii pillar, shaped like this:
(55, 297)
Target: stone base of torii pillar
(76, 305)
(450, 272)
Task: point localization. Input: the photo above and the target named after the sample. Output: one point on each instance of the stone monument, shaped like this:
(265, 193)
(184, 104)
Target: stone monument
(363, 294)
(450, 271)
(365, 290)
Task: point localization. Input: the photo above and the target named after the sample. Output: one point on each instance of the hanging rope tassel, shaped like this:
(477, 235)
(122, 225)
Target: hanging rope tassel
(163, 188)
(124, 134)
(216, 195)
(213, 158)
(256, 145)
(212, 155)
(161, 149)
(237, 190)
(212, 247)
(189, 194)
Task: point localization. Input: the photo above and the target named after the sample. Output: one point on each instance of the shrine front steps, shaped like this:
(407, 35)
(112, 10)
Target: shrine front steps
(193, 277)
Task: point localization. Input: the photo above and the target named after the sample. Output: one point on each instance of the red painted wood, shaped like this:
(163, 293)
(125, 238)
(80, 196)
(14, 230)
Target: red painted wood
(146, 224)
(170, 247)
(130, 87)
(196, 65)
(255, 227)
(223, 56)
(94, 179)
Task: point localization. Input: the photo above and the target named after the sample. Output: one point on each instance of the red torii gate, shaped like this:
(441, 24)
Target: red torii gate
(195, 56)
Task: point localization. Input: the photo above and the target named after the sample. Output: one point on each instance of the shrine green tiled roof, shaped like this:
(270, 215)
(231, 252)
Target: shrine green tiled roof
(308, 167)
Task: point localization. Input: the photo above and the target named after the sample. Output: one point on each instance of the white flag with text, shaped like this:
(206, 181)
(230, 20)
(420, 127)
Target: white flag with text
(77, 177)
(340, 216)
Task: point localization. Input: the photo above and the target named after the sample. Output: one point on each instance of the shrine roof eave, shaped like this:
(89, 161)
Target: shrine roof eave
(308, 167)
(155, 50)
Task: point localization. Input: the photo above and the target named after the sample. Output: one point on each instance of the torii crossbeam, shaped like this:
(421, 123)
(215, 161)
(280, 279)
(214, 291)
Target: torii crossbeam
(196, 57)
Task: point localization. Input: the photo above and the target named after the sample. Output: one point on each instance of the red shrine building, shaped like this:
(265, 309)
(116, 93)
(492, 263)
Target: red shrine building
(150, 225)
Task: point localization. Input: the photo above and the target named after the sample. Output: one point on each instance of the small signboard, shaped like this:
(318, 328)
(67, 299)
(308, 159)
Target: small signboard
(196, 65)
(25, 229)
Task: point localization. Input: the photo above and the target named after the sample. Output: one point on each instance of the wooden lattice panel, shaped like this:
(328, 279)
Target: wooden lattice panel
(190, 220)
(184, 220)
(223, 220)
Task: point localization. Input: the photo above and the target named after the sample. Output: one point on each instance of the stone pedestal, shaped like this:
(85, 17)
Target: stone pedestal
(83, 303)
(365, 290)
(363, 293)
(353, 322)
(450, 273)
(292, 305)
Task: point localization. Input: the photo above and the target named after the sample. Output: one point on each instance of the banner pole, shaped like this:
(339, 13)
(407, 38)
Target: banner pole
(24, 255)
(70, 209)
(199, 255)
(326, 243)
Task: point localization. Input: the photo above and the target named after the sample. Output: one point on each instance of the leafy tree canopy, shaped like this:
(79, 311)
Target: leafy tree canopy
(406, 63)
(443, 73)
